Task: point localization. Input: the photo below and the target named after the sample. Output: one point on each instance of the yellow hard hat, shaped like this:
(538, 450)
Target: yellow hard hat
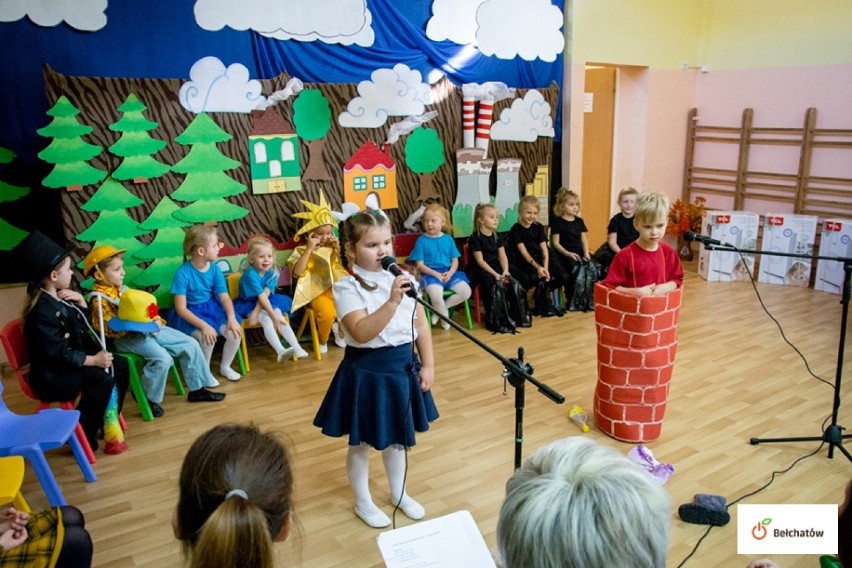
(98, 255)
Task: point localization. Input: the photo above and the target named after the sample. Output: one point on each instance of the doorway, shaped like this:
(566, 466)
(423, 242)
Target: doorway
(598, 133)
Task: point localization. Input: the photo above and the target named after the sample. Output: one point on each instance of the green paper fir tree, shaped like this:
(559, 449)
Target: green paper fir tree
(312, 118)
(114, 226)
(10, 235)
(165, 251)
(424, 154)
(67, 150)
(206, 184)
(135, 145)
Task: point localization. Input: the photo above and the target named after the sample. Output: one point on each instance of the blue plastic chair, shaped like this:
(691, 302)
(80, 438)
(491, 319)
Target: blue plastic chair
(30, 435)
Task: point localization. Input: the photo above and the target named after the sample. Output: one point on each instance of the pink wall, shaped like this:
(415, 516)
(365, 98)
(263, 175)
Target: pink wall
(779, 97)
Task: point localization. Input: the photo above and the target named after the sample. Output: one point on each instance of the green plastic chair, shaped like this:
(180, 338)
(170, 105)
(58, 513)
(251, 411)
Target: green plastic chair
(134, 363)
(447, 294)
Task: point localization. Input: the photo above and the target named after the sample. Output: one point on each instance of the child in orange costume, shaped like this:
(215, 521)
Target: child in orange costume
(316, 265)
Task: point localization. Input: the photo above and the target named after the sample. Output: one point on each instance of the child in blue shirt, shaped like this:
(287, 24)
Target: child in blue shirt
(437, 258)
(202, 307)
(260, 304)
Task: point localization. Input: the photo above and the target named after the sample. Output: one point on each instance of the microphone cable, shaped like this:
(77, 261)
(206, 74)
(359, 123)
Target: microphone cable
(408, 413)
(777, 323)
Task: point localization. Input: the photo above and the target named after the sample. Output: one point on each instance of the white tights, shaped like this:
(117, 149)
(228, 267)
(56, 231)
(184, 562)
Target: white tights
(272, 335)
(229, 351)
(358, 469)
(461, 292)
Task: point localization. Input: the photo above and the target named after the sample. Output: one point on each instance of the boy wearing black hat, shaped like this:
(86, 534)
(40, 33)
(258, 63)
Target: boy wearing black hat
(65, 358)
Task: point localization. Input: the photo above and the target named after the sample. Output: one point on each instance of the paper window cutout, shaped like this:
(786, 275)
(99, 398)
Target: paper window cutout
(260, 153)
(379, 181)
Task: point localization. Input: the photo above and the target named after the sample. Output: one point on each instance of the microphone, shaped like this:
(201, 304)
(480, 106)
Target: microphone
(389, 264)
(705, 240)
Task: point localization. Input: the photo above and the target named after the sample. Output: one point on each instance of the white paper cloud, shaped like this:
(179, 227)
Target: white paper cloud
(453, 20)
(525, 120)
(85, 15)
(214, 88)
(528, 29)
(331, 21)
(391, 92)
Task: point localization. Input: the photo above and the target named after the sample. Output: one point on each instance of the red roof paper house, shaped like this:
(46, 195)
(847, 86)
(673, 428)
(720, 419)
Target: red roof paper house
(370, 170)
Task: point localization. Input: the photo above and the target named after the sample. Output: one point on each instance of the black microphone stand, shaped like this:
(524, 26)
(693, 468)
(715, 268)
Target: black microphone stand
(514, 370)
(833, 435)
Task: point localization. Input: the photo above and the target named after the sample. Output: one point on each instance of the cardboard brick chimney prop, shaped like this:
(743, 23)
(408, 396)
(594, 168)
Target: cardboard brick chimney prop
(637, 341)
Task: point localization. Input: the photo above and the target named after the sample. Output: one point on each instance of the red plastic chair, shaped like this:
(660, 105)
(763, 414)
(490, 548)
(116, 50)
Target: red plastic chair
(12, 337)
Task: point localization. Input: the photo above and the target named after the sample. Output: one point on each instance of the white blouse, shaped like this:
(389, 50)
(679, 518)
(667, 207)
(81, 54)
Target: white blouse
(350, 296)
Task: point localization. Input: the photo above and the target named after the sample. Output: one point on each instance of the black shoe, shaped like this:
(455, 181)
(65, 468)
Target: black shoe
(156, 409)
(204, 395)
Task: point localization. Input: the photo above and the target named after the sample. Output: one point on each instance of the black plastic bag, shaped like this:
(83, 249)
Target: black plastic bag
(516, 297)
(497, 317)
(543, 300)
(583, 298)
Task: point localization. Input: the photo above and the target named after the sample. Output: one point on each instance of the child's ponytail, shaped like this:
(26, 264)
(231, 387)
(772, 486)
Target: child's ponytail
(235, 534)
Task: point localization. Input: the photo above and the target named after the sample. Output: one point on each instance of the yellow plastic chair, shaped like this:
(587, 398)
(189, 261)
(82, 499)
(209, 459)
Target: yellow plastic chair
(11, 479)
(234, 293)
(309, 318)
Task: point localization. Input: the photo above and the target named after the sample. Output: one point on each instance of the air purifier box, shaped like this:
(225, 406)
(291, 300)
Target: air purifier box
(787, 233)
(736, 228)
(836, 241)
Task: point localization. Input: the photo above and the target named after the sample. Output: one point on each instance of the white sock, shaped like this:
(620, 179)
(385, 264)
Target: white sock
(394, 460)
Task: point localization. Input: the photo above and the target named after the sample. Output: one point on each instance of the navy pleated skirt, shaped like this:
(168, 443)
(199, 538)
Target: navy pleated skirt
(375, 398)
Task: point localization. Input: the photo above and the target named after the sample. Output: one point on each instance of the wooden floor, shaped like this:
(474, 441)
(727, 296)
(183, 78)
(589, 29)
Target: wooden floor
(734, 379)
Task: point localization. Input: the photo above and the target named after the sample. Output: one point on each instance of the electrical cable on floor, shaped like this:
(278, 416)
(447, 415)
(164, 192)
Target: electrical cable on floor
(755, 492)
(778, 324)
(814, 375)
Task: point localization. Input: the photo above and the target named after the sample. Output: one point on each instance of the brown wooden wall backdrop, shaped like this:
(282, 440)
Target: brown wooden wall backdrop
(98, 99)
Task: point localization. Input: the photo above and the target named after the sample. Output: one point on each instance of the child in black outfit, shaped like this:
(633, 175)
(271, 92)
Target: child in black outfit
(568, 236)
(489, 263)
(529, 259)
(65, 359)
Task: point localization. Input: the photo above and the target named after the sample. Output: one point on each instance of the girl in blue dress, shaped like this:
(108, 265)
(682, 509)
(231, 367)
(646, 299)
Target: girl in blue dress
(380, 394)
(202, 307)
(260, 303)
(437, 258)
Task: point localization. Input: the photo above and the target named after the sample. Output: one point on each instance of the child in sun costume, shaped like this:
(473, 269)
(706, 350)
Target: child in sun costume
(316, 265)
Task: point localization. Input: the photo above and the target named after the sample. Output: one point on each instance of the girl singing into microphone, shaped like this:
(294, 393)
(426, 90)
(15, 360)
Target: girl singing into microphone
(380, 394)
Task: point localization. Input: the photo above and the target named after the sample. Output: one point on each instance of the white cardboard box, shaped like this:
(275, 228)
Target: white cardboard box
(737, 228)
(836, 241)
(791, 234)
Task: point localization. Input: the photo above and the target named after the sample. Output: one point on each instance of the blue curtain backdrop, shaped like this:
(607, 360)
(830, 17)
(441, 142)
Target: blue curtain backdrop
(160, 39)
